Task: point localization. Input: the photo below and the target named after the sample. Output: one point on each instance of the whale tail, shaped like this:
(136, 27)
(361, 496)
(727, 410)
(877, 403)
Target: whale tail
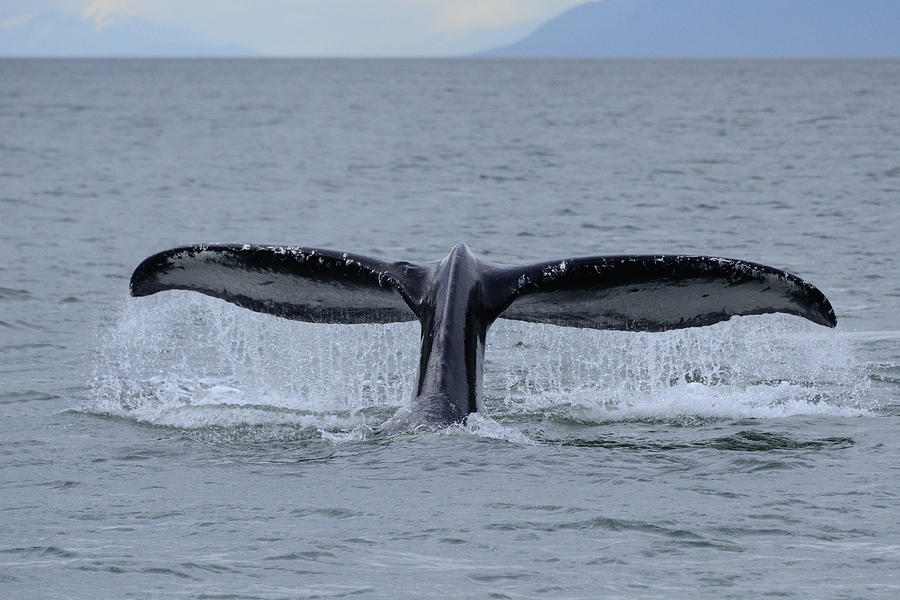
(655, 292)
(457, 299)
(635, 293)
(304, 284)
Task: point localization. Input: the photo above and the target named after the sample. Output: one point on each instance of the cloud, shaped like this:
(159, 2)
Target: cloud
(444, 15)
(468, 15)
(320, 27)
(104, 13)
(484, 14)
(15, 21)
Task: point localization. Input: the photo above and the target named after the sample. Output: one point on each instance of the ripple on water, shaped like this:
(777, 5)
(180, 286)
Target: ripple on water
(14, 294)
(763, 441)
(45, 551)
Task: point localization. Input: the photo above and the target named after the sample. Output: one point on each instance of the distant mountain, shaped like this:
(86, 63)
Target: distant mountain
(47, 34)
(717, 28)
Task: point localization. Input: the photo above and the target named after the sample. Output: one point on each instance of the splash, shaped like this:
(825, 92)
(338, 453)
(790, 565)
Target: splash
(771, 366)
(486, 427)
(186, 361)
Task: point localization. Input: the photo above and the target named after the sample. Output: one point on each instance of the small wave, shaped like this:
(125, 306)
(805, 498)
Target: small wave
(476, 424)
(764, 441)
(39, 551)
(14, 294)
(750, 440)
(486, 427)
(230, 415)
(685, 402)
(360, 433)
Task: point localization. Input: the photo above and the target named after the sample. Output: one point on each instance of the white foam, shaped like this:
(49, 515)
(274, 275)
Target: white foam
(486, 427)
(357, 434)
(688, 401)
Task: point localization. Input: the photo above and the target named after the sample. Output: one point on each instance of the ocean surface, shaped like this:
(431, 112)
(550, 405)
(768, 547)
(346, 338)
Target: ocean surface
(177, 446)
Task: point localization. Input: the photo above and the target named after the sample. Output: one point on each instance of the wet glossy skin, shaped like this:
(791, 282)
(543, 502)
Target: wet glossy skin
(454, 324)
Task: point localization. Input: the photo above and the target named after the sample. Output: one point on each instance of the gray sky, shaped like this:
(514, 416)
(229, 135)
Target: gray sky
(310, 27)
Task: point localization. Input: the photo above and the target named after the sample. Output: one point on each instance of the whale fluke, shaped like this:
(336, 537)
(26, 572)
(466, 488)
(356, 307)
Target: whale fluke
(656, 292)
(458, 298)
(304, 284)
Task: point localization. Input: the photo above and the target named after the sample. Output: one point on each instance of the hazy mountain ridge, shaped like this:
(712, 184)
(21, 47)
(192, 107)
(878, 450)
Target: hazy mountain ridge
(715, 28)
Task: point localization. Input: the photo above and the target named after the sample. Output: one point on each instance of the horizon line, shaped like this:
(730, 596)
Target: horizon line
(475, 57)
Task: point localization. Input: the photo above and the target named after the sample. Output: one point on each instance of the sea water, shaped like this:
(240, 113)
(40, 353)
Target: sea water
(177, 446)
